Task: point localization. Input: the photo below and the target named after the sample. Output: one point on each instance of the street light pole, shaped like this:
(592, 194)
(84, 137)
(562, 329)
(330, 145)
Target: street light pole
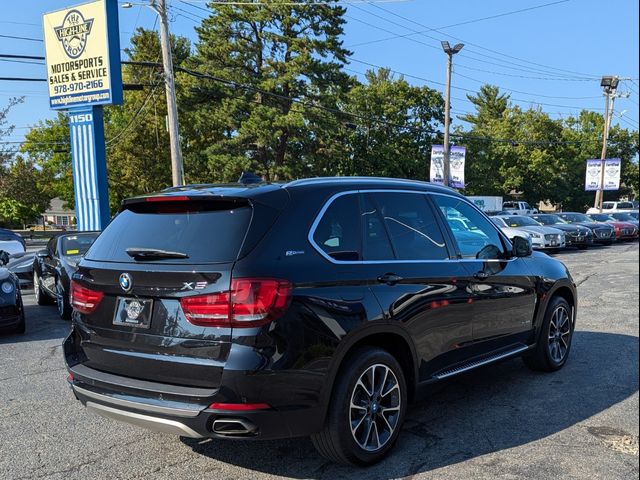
(450, 51)
(177, 169)
(609, 84)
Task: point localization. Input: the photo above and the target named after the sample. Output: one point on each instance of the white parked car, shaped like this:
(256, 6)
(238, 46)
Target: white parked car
(508, 231)
(542, 238)
(518, 208)
(11, 242)
(610, 207)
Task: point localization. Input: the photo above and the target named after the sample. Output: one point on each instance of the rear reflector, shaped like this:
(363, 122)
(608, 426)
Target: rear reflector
(83, 299)
(250, 302)
(239, 407)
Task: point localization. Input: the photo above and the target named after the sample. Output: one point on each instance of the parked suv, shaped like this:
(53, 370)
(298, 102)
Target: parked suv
(312, 308)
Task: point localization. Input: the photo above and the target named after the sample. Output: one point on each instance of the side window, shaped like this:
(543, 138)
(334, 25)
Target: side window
(412, 227)
(375, 244)
(338, 232)
(479, 238)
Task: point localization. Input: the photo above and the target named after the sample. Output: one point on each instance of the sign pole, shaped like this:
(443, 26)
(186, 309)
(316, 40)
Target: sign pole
(89, 163)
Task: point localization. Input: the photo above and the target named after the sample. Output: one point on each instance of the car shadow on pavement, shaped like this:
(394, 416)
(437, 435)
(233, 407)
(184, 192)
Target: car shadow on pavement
(492, 409)
(43, 323)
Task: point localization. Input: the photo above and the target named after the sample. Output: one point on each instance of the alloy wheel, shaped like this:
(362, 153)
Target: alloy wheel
(374, 408)
(559, 334)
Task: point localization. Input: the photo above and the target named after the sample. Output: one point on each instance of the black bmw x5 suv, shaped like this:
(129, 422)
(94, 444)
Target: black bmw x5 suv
(313, 308)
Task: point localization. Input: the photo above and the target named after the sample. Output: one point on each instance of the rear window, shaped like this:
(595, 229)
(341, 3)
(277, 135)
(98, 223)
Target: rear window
(204, 232)
(625, 205)
(76, 244)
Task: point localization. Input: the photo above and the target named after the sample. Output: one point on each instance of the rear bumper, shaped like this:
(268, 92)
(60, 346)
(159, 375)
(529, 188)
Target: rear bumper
(194, 419)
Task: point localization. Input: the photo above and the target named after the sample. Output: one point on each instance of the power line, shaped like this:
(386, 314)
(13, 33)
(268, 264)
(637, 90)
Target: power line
(31, 39)
(547, 67)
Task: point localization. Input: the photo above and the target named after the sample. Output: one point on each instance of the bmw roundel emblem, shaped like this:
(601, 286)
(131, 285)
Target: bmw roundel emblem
(125, 282)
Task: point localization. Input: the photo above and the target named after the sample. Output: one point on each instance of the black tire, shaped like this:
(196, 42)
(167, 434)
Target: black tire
(546, 357)
(335, 441)
(582, 247)
(41, 297)
(62, 302)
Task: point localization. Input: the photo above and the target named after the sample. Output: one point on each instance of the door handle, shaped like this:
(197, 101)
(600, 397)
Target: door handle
(390, 278)
(481, 275)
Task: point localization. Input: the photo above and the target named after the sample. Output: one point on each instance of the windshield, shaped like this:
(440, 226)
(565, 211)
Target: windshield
(634, 215)
(521, 221)
(549, 219)
(74, 245)
(175, 232)
(601, 217)
(623, 216)
(498, 221)
(575, 217)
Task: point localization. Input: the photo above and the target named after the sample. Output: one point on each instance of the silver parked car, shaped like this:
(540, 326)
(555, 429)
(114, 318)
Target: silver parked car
(508, 231)
(542, 237)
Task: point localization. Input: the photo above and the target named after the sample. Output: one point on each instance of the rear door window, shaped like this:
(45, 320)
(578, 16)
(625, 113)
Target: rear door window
(338, 232)
(412, 227)
(203, 231)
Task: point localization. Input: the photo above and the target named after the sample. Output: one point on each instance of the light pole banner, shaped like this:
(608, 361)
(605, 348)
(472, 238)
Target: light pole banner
(612, 170)
(592, 177)
(436, 174)
(82, 48)
(456, 165)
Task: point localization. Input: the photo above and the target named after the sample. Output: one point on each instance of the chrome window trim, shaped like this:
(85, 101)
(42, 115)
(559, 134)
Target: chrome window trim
(331, 199)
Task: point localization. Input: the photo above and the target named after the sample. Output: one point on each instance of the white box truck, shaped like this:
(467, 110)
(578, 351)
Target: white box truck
(487, 204)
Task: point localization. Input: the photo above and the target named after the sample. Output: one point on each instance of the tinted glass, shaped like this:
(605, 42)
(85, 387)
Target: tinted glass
(76, 244)
(521, 221)
(338, 232)
(207, 232)
(623, 216)
(482, 240)
(625, 205)
(575, 217)
(498, 221)
(375, 245)
(412, 226)
(634, 215)
(544, 219)
(599, 217)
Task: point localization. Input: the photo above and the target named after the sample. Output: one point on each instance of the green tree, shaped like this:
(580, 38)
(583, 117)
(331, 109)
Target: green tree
(398, 142)
(22, 197)
(288, 55)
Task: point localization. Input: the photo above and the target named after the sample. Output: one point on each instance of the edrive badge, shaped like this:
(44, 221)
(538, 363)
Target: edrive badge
(125, 282)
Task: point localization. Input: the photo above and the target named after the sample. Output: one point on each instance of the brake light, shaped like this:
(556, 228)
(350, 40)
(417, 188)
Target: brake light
(250, 302)
(83, 299)
(168, 198)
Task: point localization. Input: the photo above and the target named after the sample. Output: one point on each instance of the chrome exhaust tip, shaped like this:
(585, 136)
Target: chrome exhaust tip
(233, 427)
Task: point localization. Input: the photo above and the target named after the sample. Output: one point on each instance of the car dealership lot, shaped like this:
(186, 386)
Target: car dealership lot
(502, 421)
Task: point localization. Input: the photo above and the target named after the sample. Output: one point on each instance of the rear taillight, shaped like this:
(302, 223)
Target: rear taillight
(83, 299)
(250, 302)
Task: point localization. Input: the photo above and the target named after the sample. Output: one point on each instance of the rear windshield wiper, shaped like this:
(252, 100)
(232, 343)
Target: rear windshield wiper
(153, 253)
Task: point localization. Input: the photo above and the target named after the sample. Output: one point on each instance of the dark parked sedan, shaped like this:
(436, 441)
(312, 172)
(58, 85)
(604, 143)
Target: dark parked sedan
(624, 230)
(602, 233)
(314, 308)
(575, 235)
(54, 266)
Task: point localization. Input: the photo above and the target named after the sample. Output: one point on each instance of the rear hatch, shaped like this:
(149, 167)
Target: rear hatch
(154, 254)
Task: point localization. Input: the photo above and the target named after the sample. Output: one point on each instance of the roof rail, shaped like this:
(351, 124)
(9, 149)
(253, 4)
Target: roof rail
(316, 180)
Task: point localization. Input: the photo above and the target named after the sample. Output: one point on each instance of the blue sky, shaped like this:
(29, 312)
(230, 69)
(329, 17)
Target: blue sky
(552, 56)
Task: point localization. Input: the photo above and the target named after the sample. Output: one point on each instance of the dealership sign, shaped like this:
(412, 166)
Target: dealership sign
(83, 57)
(612, 170)
(456, 165)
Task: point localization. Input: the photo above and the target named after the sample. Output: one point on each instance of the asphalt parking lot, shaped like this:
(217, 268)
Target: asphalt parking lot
(502, 421)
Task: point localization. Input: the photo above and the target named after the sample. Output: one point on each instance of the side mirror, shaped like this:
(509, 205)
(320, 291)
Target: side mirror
(521, 247)
(4, 257)
(42, 253)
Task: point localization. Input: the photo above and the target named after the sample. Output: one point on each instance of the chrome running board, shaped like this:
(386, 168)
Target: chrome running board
(480, 362)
